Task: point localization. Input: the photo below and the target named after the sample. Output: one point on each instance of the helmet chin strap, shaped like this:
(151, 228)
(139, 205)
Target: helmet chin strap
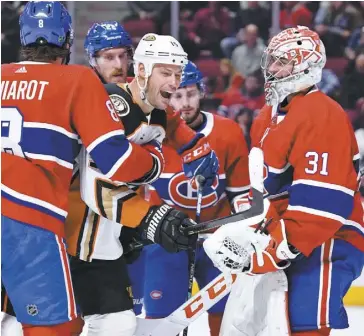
(142, 91)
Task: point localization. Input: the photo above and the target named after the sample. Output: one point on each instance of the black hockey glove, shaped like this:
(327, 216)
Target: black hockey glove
(132, 245)
(163, 225)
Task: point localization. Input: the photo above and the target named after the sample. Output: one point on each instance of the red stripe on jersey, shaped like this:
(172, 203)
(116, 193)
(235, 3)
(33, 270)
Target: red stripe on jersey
(325, 284)
(72, 313)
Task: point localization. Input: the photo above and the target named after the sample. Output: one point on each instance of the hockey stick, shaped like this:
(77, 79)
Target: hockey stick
(256, 211)
(183, 316)
(200, 181)
(220, 286)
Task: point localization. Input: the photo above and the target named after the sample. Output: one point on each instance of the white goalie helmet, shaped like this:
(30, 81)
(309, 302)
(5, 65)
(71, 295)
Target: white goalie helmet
(297, 56)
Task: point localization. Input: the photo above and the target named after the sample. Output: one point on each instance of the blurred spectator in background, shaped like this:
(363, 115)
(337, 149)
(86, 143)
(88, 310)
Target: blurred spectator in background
(252, 91)
(253, 14)
(227, 72)
(158, 11)
(358, 121)
(244, 118)
(294, 13)
(257, 15)
(10, 40)
(329, 83)
(243, 92)
(355, 44)
(246, 57)
(352, 84)
(334, 23)
(358, 125)
(210, 25)
(232, 99)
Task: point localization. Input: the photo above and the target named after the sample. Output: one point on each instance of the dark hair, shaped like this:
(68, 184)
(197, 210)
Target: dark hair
(41, 51)
(46, 53)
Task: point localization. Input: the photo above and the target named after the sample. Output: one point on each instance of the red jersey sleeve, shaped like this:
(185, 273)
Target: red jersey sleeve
(102, 134)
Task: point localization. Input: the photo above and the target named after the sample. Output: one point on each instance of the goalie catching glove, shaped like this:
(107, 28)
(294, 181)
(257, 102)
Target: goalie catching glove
(240, 247)
(164, 225)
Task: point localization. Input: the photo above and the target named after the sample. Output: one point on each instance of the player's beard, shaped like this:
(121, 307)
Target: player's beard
(117, 73)
(190, 121)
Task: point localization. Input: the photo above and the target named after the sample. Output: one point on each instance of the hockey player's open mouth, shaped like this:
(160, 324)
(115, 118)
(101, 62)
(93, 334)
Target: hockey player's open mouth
(166, 95)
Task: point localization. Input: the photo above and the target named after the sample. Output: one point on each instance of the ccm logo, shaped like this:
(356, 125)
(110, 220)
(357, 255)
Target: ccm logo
(196, 153)
(213, 291)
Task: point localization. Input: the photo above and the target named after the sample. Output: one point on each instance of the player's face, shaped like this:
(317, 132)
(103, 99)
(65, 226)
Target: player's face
(280, 67)
(162, 83)
(187, 101)
(112, 65)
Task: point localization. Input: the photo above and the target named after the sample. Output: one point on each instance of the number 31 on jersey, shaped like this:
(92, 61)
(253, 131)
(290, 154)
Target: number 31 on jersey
(317, 162)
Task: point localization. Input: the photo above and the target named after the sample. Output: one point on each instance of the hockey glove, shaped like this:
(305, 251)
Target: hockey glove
(131, 241)
(199, 159)
(239, 248)
(275, 256)
(163, 225)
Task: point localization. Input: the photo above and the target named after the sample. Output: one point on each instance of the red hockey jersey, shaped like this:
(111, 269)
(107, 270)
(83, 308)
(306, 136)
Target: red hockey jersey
(47, 110)
(311, 165)
(227, 140)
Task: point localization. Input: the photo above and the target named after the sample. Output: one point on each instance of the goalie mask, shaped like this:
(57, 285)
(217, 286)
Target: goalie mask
(293, 61)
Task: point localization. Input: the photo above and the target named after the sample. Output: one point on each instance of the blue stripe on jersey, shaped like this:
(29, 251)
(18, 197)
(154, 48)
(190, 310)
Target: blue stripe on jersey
(49, 142)
(32, 206)
(108, 152)
(352, 228)
(323, 199)
(191, 144)
(277, 183)
(161, 186)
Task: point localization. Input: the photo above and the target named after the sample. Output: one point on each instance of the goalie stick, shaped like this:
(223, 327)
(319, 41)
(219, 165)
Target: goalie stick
(256, 211)
(200, 181)
(221, 285)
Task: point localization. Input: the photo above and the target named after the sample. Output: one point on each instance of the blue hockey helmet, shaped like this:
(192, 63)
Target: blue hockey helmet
(45, 22)
(192, 75)
(105, 35)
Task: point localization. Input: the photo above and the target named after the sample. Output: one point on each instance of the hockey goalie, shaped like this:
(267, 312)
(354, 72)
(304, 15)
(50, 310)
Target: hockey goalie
(311, 243)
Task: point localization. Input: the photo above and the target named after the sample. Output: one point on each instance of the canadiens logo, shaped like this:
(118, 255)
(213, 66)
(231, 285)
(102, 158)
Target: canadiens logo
(184, 195)
(120, 105)
(156, 294)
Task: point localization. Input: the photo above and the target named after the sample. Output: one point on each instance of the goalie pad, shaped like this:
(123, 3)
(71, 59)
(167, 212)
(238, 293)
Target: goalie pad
(257, 306)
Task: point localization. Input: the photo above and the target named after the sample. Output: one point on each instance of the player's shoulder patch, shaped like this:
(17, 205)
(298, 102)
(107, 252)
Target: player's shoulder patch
(120, 99)
(121, 106)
